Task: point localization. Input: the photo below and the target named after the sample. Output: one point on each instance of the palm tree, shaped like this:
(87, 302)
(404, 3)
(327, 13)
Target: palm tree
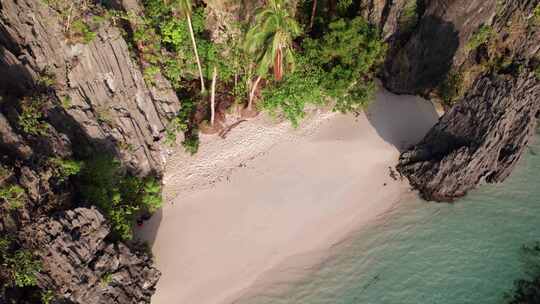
(213, 97)
(269, 42)
(313, 13)
(185, 8)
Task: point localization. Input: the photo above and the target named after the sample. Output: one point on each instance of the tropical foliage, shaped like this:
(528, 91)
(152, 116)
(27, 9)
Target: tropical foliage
(270, 40)
(118, 194)
(21, 264)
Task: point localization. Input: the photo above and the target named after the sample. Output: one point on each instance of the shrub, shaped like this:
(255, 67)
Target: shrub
(46, 78)
(66, 102)
(482, 35)
(23, 267)
(348, 56)
(149, 74)
(451, 89)
(191, 142)
(118, 194)
(106, 279)
(31, 117)
(292, 94)
(81, 32)
(13, 196)
(181, 123)
(47, 297)
(536, 15)
(64, 168)
(408, 18)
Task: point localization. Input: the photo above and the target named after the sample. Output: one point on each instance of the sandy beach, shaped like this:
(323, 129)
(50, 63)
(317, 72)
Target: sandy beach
(265, 203)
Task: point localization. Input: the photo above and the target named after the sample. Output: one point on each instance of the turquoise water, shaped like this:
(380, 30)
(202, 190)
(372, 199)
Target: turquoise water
(468, 252)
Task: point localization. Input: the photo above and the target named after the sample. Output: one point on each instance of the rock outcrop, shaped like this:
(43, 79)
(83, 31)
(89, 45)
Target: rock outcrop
(81, 267)
(65, 98)
(490, 88)
(437, 44)
(102, 88)
(480, 139)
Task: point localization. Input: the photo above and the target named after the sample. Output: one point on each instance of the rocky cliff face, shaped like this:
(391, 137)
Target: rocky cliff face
(63, 95)
(82, 267)
(437, 43)
(480, 139)
(102, 88)
(480, 58)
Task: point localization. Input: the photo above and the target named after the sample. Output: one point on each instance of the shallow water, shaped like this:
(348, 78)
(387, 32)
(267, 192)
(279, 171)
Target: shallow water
(420, 252)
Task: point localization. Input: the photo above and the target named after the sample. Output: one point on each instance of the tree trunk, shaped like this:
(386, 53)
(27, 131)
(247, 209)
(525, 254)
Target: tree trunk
(213, 98)
(332, 8)
(278, 65)
(252, 93)
(203, 88)
(313, 13)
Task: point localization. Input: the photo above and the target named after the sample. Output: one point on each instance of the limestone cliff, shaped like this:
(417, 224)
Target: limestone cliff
(82, 267)
(479, 140)
(480, 58)
(64, 95)
(103, 89)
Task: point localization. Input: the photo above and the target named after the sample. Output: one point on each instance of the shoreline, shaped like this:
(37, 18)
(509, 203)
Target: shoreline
(248, 207)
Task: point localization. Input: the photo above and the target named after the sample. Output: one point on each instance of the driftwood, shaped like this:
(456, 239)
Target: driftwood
(223, 133)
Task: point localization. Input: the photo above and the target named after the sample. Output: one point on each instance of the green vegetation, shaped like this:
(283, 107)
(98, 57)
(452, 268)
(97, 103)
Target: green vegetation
(12, 196)
(290, 69)
(118, 194)
(106, 279)
(81, 32)
(451, 89)
(339, 66)
(536, 15)
(80, 19)
(21, 265)
(24, 267)
(191, 142)
(269, 42)
(47, 297)
(66, 102)
(409, 17)
(482, 35)
(346, 58)
(46, 78)
(526, 290)
(64, 168)
(31, 117)
(292, 95)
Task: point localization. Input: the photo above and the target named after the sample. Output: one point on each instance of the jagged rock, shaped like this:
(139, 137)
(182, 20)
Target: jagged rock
(81, 267)
(109, 101)
(480, 139)
(437, 44)
(385, 14)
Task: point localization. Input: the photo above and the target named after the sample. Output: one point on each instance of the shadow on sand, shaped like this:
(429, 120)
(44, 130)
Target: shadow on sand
(149, 229)
(401, 120)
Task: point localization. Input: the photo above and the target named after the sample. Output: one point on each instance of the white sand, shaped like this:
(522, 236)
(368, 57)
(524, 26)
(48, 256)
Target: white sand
(269, 197)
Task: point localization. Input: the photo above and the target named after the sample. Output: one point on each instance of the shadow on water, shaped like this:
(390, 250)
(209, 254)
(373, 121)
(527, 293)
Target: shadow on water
(401, 120)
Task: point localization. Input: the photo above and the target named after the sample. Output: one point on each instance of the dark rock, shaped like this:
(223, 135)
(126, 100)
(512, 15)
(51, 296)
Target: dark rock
(480, 139)
(438, 43)
(81, 267)
(111, 105)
